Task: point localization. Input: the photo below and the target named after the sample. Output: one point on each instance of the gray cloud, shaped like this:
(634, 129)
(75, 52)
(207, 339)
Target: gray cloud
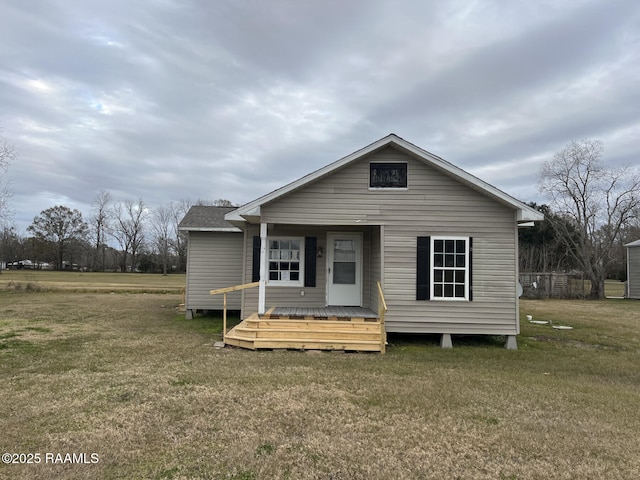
(176, 99)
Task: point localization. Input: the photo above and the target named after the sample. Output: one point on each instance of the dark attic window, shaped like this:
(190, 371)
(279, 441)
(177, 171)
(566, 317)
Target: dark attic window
(387, 175)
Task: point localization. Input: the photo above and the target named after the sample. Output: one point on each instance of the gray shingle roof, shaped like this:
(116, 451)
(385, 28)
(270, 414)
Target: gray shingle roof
(207, 219)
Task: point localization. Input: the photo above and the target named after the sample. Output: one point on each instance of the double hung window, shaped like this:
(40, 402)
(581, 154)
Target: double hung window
(286, 258)
(450, 268)
(444, 268)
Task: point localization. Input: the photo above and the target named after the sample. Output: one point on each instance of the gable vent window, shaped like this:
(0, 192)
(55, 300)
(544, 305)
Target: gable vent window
(388, 175)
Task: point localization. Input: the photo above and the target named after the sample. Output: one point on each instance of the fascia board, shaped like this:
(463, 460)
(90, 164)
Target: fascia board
(210, 229)
(250, 208)
(525, 213)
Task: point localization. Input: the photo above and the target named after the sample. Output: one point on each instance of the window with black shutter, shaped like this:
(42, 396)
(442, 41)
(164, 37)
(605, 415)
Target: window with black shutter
(443, 270)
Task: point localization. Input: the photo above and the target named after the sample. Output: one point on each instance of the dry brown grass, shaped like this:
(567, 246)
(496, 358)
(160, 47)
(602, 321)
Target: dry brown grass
(128, 378)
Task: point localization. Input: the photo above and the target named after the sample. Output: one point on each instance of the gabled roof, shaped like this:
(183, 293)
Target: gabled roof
(525, 213)
(201, 218)
(633, 244)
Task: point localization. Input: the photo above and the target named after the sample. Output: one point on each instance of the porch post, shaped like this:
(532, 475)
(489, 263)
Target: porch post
(263, 269)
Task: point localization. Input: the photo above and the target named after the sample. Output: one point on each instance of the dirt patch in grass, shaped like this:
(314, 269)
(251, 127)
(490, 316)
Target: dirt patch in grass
(127, 377)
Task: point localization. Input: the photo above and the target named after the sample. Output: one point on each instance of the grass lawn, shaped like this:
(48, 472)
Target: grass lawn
(45, 280)
(125, 376)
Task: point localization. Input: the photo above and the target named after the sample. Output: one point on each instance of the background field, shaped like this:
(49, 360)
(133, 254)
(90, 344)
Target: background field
(125, 376)
(44, 280)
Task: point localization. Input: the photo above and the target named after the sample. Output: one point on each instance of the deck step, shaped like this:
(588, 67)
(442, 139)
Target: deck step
(305, 334)
(305, 344)
(259, 333)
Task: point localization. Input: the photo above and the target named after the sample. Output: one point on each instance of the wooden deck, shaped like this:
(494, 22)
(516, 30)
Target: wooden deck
(326, 313)
(330, 328)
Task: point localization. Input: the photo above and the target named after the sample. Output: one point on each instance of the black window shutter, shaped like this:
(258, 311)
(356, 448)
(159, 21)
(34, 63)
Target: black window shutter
(423, 268)
(255, 272)
(470, 269)
(310, 252)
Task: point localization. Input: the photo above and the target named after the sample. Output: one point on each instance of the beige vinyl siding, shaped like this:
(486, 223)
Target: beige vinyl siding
(214, 261)
(374, 273)
(492, 310)
(434, 204)
(314, 297)
(634, 271)
(277, 296)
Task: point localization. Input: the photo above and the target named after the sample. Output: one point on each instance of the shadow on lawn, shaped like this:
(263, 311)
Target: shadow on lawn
(210, 321)
(433, 340)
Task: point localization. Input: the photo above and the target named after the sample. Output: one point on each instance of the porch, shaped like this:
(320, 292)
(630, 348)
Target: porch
(302, 328)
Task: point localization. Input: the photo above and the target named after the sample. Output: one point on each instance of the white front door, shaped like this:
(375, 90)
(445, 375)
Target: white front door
(344, 269)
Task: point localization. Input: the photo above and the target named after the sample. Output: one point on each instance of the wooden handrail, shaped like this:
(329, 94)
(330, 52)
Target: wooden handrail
(381, 297)
(234, 288)
(382, 309)
(224, 291)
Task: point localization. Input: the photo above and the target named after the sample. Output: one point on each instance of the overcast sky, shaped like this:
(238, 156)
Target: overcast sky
(186, 99)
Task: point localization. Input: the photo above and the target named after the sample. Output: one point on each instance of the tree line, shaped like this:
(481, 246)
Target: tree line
(593, 210)
(126, 236)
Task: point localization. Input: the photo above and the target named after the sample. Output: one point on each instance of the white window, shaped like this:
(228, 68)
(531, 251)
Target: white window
(450, 268)
(286, 261)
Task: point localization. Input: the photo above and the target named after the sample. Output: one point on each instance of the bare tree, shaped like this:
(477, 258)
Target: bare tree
(179, 241)
(129, 228)
(540, 246)
(10, 245)
(179, 210)
(220, 202)
(597, 201)
(162, 226)
(99, 224)
(7, 155)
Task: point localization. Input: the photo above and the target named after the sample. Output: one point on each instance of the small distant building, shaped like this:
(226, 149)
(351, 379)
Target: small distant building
(633, 269)
(27, 265)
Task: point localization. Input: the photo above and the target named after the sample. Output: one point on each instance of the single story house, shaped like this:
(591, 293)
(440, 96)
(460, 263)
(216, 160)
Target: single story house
(390, 221)
(633, 269)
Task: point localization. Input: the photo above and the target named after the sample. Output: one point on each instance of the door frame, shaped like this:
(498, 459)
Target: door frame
(358, 236)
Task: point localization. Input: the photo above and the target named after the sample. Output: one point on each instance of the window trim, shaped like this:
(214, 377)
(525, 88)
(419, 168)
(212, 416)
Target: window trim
(393, 189)
(466, 269)
(301, 262)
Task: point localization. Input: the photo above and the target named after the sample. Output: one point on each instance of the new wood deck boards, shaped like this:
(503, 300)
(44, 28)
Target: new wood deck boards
(330, 328)
(318, 313)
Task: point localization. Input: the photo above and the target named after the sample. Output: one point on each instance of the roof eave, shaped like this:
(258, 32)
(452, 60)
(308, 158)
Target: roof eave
(253, 208)
(209, 229)
(251, 211)
(530, 215)
(239, 218)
